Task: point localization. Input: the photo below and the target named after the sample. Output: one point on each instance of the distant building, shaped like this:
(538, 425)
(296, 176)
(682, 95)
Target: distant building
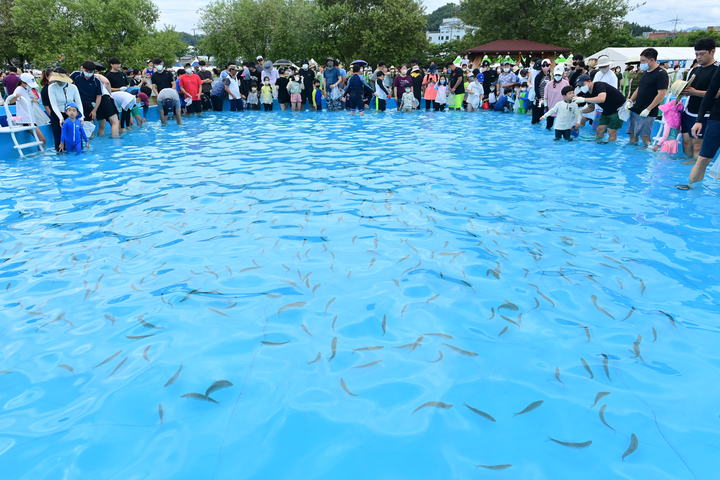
(450, 29)
(658, 35)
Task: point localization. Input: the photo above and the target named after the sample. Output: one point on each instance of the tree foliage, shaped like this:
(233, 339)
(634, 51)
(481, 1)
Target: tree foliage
(8, 46)
(68, 32)
(297, 29)
(435, 18)
(582, 25)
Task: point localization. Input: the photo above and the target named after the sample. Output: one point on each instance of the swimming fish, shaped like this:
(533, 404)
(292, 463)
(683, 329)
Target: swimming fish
(414, 345)
(305, 329)
(461, 351)
(174, 377)
(572, 444)
(383, 325)
(108, 359)
(480, 412)
(317, 359)
(345, 387)
(291, 305)
(440, 357)
(368, 364)
(432, 298)
(443, 335)
(587, 333)
(329, 303)
(672, 319)
(606, 366)
(272, 344)
(147, 324)
(492, 313)
(636, 348)
(218, 312)
(602, 417)
(67, 367)
(117, 367)
(502, 332)
(632, 447)
(630, 312)
(495, 467)
(433, 404)
(598, 397)
(537, 303)
(145, 353)
(495, 273)
(333, 348)
(654, 334)
(199, 396)
(594, 300)
(508, 319)
(217, 385)
(111, 318)
(557, 375)
(529, 408)
(374, 347)
(642, 287)
(542, 294)
(508, 305)
(139, 337)
(161, 413)
(587, 367)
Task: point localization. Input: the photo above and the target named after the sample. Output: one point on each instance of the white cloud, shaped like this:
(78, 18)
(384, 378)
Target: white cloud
(659, 14)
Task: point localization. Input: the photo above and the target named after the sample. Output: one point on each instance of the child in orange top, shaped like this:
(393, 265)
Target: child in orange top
(428, 85)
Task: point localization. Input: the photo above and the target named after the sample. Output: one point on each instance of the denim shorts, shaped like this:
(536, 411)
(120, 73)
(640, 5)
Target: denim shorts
(711, 139)
(640, 126)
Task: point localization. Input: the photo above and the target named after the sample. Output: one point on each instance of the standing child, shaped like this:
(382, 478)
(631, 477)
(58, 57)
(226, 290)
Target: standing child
(73, 135)
(253, 98)
(428, 84)
(283, 93)
(441, 90)
(355, 90)
(317, 95)
(567, 113)
(295, 87)
(475, 93)
(381, 91)
(266, 95)
(408, 102)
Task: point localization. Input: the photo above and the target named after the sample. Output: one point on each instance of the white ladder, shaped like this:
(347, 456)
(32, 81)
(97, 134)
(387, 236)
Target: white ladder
(13, 127)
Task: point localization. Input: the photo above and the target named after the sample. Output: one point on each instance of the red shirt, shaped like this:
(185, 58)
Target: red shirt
(191, 83)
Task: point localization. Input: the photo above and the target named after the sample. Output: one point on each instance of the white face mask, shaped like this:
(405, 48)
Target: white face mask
(160, 68)
(558, 78)
(584, 89)
(304, 66)
(506, 69)
(644, 67)
(266, 83)
(403, 71)
(88, 74)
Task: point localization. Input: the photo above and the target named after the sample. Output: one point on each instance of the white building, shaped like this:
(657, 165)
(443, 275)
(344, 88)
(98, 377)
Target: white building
(450, 29)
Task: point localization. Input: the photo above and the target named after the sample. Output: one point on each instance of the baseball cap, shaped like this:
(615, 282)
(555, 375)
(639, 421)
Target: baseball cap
(29, 79)
(582, 79)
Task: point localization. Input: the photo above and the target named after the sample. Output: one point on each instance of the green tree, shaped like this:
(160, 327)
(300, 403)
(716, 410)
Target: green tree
(68, 32)
(435, 18)
(582, 25)
(8, 47)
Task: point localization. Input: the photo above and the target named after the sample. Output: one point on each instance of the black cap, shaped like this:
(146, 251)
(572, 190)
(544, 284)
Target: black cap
(582, 79)
(89, 66)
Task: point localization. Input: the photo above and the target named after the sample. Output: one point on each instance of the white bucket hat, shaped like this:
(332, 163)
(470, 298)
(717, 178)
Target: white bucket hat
(603, 61)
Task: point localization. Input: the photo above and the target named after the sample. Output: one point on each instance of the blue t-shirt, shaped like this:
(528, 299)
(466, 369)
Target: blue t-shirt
(500, 104)
(89, 88)
(332, 75)
(355, 85)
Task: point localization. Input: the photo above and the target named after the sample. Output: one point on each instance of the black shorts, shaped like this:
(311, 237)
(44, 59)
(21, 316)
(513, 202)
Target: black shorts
(194, 107)
(106, 109)
(688, 121)
(711, 140)
(355, 102)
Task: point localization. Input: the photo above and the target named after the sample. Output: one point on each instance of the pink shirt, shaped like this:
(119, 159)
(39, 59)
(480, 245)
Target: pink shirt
(553, 92)
(429, 83)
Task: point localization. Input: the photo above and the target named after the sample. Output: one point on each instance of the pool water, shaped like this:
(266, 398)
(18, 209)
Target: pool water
(388, 297)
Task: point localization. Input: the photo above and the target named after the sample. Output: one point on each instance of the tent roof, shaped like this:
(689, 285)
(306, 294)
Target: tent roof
(621, 54)
(517, 46)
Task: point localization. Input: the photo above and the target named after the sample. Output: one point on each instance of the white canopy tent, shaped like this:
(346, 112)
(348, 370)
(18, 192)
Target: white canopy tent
(684, 56)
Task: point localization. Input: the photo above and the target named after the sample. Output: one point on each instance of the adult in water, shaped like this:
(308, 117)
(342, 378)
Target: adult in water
(457, 86)
(609, 98)
(698, 81)
(711, 137)
(643, 103)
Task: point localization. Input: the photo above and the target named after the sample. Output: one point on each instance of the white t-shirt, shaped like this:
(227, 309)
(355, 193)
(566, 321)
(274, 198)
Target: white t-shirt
(123, 100)
(23, 108)
(608, 77)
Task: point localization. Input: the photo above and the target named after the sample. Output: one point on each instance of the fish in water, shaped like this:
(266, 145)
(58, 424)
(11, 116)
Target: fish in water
(433, 404)
(630, 312)
(215, 310)
(217, 385)
(598, 397)
(636, 348)
(587, 333)
(117, 367)
(654, 334)
(145, 353)
(529, 408)
(602, 417)
(480, 412)
(495, 467)
(199, 396)
(345, 387)
(111, 318)
(557, 375)
(443, 335)
(461, 351)
(672, 319)
(147, 324)
(317, 359)
(383, 325)
(67, 367)
(333, 348)
(432, 298)
(291, 305)
(606, 365)
(502, 332)
(108, 359)
(495, 273)
(440, 357)
(587, 367)
(572, 444)
(174, 377)
(305, 329)
(368, 364)
(330, 302)
(374, 347)
(272, 344)
(139, 337)
(508, 319)
(594, 300)
(492, 313)
(632, 447)
(509, 306)
(161, 413)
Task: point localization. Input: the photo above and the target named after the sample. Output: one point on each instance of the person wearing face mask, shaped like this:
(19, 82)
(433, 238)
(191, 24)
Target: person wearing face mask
(295, 88)
(490, 76)
(117, 78)
(90, 89)
(441, 89)
(308, 77)
(507, 78)
(60, 92)
(699, 80)
(266, 95)
(162, 78)
(608, 98)
(283, 95)
(333, 79)
(553, 93)
(428, 83)
(643, 103)
(604, 74)
(401, 81)
(206, 79)
(541, 80)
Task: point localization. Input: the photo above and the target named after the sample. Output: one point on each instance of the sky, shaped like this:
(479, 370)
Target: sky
(659, 14)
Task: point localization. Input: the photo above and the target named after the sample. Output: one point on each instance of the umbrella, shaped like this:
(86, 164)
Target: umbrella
(362, 63)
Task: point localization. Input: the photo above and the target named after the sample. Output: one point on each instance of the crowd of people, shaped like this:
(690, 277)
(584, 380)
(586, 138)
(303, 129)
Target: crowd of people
(565, 96)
